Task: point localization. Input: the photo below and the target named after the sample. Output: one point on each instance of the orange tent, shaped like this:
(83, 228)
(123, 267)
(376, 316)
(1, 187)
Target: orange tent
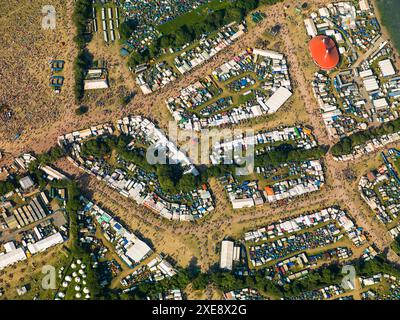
(269, 191)
(324, 52)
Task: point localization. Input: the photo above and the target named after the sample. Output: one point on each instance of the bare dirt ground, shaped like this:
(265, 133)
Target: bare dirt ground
(25, 71)
(181, 241)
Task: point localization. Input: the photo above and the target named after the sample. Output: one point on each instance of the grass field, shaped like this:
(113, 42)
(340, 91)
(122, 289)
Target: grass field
(29, 273)
(389, 10)
(194, 16)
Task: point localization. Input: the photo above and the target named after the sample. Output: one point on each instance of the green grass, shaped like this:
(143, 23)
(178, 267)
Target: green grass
(389, 10)
(193, 16)
(244, 98)
(396, 163)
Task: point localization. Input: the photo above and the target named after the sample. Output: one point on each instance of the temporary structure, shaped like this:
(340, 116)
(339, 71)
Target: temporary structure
(324, 52)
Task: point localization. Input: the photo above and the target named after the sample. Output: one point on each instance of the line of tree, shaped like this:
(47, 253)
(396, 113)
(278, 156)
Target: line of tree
(287, 153)
(81, 15)
(52, 155)
(227, 281)
(379, 264)
(236, 11)
(346, 145)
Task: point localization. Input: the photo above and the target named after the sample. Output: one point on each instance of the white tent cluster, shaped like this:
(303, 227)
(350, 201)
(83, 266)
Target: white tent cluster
(13, 255)
(155, 77)
(312, 179)
(142, 128)
(156, 270)
(243, 294)
(75, 281)
(370, 146)
(345, 17)
(374, 189)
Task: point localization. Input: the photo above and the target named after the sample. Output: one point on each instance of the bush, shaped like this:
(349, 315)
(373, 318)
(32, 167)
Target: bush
(81, 110)
(5, 187)
(97, 148)
(123, 101)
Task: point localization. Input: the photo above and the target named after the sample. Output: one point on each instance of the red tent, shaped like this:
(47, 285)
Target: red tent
(324, 52)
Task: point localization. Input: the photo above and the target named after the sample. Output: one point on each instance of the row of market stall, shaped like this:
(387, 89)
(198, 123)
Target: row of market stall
(302, 233)
(127, 245)
(197, 107)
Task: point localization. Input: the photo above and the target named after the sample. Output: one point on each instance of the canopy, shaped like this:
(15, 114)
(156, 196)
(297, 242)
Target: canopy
(324, 52)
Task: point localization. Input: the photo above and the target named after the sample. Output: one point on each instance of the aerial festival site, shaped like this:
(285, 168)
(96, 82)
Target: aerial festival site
(199, 158)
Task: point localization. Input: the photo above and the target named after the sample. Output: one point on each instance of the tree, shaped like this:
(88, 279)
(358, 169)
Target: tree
(187, 183)
(396, 245)
(81, 63)
(169, 176)
(81, 110)
(234, 14)
(123, 101)
(5, 187)
(346, 145)
(246, 5)
(183, 36)
(97, 148)
(127, 28)
(200, 282)
(81, 14)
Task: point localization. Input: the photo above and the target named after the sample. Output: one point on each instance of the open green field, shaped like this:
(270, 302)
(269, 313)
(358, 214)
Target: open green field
(389, 11)
(194, 16)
